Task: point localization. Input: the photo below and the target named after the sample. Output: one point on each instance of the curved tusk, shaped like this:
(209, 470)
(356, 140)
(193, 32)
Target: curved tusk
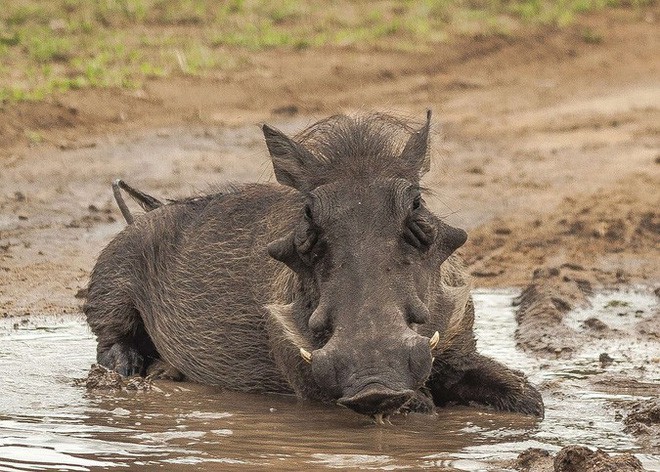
(306, 355)
(434, 340)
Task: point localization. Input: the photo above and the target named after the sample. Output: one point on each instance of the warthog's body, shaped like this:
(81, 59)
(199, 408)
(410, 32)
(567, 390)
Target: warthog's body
(191, 283)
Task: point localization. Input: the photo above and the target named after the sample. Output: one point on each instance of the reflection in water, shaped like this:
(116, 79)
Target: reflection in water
(48, 422)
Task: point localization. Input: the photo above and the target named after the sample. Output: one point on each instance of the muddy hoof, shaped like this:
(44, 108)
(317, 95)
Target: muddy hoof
(527, 399)
(161, 370)
(123, 359)
(101, 378)
(520, 396)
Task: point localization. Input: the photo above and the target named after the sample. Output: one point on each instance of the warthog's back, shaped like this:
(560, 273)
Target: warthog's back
(199, 275)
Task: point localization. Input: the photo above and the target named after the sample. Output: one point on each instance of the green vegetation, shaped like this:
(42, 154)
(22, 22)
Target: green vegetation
(58, 45)
(34, 137)
(617, 304)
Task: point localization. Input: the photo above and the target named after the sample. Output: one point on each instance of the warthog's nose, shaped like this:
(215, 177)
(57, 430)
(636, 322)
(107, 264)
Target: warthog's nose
(377, 400)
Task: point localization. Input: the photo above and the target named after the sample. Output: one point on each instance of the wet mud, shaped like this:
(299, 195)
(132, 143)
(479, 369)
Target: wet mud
(575, 459)
(561, 317)
(642, 419)
(57, 413)
(542, 305)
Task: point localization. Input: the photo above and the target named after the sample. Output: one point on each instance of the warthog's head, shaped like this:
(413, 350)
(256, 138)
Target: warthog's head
(368, 252)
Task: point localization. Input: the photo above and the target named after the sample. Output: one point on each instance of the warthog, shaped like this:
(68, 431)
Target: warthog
(338, 285)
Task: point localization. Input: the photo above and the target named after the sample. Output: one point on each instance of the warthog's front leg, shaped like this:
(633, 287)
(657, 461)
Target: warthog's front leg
(123, 358)
(474, 378)
(161, 370)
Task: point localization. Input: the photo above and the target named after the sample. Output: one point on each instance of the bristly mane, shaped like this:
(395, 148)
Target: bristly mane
(367, 145)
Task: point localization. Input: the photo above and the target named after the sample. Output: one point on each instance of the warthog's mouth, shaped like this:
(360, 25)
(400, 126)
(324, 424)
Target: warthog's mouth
(377, 401)
(368, 395)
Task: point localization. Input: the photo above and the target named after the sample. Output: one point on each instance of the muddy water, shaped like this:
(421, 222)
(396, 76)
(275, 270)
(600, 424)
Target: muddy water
(48, 422)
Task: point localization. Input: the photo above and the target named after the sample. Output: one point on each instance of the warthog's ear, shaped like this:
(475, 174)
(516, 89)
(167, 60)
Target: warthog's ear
(415, 155)
(450, 239)
(291, 160)
(284, 250)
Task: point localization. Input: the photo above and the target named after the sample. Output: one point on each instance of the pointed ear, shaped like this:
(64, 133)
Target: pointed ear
(291, 161)
(415, 154)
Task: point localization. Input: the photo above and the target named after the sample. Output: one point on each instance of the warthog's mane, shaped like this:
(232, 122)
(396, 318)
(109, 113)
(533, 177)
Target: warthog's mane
(213, 192)
(358, 146)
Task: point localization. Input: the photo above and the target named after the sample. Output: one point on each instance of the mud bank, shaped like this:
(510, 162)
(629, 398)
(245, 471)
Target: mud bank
(575, 459)
(561, 316)
(553, 315)
(642, 419)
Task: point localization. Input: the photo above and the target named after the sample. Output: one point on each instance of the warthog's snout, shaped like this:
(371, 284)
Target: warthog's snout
(376, 399)
(377, 376)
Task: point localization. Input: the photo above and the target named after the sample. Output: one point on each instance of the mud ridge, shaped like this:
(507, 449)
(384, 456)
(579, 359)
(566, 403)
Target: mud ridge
(575, 459)
(643, 421)
(101, 378)
(542, 305)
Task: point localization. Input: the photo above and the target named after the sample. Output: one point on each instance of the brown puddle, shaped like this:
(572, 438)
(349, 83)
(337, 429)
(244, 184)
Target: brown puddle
(48, 422)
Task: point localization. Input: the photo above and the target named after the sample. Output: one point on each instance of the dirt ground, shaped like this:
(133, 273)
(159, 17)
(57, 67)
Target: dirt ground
(546, 151)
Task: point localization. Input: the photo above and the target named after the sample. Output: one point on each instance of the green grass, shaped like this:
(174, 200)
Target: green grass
(53, 46)
(617, 304)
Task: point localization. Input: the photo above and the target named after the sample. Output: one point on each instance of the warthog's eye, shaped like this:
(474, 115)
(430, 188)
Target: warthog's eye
(308, 213)
(307, 240)
(417, 202)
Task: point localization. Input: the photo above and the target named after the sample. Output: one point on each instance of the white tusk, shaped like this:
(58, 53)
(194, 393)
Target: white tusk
(434, 340)
(306, 355)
